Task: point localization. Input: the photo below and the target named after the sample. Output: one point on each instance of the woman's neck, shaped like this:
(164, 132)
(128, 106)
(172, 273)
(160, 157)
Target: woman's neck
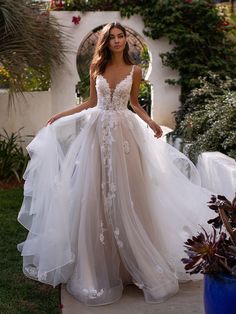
(117, 59)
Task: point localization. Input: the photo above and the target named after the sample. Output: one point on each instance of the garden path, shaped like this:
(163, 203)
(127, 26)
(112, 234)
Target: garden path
(188, 300)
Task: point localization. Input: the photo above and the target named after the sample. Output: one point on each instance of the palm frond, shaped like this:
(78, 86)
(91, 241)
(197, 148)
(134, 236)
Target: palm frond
(29, 38)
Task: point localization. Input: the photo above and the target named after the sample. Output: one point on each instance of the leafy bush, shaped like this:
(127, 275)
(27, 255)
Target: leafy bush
(4, 78)
(210, 122)
(31, 79)
(13, 160)
(35, 81)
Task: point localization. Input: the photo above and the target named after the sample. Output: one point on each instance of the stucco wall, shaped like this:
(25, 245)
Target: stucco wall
(31, 112)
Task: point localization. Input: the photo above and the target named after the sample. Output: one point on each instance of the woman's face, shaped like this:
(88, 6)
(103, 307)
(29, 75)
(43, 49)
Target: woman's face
(117, 40)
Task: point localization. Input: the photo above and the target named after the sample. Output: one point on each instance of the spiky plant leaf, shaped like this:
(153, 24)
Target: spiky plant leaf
(28, 38)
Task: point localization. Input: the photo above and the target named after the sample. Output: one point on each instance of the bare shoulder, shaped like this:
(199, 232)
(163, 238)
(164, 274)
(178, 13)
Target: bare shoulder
(137, 68)
(137, 71)
(91, 71)
(92, 67)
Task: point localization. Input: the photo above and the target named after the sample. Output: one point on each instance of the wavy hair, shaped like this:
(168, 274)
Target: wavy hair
(102, 52)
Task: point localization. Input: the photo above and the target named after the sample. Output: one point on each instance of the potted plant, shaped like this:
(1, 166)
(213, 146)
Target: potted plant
(214, 255)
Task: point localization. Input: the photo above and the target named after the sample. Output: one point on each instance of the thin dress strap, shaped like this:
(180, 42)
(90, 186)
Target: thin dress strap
(132, 70)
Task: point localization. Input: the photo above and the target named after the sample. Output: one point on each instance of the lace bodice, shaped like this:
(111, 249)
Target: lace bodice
(116, 99)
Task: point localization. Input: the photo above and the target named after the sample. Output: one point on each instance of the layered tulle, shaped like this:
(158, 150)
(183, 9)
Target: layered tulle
(106, 203)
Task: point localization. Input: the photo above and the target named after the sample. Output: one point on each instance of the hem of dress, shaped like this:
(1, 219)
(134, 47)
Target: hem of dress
(97, 304)
(40, 281)
(36, 278)
(101, 304)
(160, 300)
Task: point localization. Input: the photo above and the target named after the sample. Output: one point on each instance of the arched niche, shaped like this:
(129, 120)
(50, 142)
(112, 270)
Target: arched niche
(165, 97)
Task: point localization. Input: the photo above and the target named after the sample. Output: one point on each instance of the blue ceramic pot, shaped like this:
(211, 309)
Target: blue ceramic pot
(220, 294)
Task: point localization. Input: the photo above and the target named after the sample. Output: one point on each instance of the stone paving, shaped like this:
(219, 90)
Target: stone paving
(187, 301)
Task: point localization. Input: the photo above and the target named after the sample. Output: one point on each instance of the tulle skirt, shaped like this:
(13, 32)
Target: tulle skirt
(107, 204)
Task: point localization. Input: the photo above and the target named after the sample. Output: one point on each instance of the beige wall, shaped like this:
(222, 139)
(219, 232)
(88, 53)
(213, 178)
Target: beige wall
(30, 112)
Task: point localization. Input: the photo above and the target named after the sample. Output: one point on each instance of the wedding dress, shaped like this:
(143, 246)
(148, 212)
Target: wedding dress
(107, 204)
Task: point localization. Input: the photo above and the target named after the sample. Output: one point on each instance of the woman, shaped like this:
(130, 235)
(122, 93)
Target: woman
(106, 202)
(111, 56)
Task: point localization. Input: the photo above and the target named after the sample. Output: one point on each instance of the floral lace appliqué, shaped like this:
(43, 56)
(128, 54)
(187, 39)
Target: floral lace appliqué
(92, 293)
(126, 147)
(32, 271)
(118, 241)
(116, 99)
(111, 102)
(101, 235)
(108, 185)
(43, 277)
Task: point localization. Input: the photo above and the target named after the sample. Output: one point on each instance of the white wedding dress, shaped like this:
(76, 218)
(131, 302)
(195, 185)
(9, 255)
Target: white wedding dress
(107, 204)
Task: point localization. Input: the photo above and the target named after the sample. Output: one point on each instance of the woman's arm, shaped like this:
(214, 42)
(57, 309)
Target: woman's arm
(91, 102)
(137, 76)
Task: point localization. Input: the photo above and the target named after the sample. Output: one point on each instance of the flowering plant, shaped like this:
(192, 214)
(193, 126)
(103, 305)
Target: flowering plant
(76, 19)
(56, 4)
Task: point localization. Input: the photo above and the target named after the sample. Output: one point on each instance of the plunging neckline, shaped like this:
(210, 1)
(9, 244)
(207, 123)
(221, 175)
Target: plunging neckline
(112, 91)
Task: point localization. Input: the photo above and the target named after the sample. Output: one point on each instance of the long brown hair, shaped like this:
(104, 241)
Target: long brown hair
(102, 52)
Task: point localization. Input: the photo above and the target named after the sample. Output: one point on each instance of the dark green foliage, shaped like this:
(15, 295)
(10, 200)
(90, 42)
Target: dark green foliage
(200, 42)
(13, 160)
(84, 87)
(210, 120)
(95, 5)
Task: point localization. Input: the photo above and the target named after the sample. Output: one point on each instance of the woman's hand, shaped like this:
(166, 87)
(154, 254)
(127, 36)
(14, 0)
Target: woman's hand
(54, 118)
(155, 127)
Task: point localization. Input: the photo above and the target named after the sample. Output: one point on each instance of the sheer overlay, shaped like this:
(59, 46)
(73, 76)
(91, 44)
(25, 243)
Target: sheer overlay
(108, 204)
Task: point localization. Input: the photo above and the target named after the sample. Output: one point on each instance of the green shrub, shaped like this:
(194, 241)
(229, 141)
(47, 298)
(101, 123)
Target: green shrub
(13, 160)
(31, 80)
(210, 124)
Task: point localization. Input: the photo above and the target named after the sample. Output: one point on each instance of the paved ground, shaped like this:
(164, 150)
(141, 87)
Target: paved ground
(187, 301)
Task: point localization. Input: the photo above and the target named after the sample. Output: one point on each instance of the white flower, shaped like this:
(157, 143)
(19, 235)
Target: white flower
(119, 243)
(32, 271)
(43, 276)
(113, 187)
(117, 232)
(126, 147)
(92, 293)
(101, 237)
(100, 292)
